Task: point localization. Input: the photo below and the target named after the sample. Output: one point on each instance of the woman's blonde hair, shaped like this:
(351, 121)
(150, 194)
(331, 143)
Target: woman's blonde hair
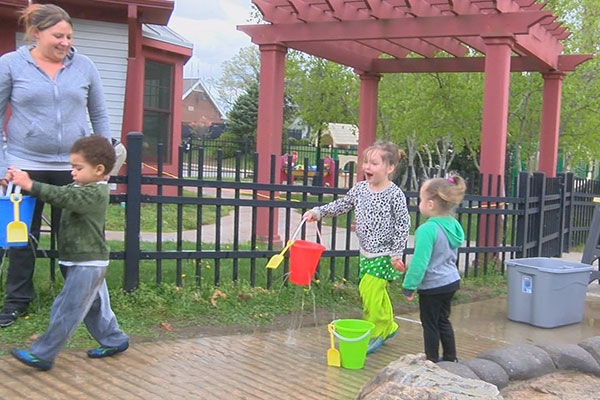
(41, 17)
(390, 153)
(447, 193)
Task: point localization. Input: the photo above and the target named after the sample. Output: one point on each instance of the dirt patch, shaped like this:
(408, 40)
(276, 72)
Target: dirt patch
(293, 320)
(558, 385)
(282, 322)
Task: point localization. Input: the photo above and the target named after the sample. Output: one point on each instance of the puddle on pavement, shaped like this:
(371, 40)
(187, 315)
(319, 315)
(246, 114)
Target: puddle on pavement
(306, 299)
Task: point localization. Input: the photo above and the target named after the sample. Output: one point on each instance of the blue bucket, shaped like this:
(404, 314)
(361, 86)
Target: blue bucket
(26, 207)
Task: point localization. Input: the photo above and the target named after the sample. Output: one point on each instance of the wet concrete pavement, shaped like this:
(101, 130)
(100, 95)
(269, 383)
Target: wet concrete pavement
(275, 365)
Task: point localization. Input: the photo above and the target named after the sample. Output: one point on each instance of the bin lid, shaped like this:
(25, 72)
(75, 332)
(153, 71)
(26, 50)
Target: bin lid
(549, 264)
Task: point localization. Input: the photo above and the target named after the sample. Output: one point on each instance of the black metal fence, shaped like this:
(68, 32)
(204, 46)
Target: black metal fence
(536, 220)
(225, 150)
(534, 216)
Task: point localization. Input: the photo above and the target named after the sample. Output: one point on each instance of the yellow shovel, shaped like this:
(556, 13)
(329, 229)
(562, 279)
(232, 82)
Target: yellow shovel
(333, 355)
(16, 231)
(275, 260)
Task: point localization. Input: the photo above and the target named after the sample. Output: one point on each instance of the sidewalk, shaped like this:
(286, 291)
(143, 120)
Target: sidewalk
(274, 365)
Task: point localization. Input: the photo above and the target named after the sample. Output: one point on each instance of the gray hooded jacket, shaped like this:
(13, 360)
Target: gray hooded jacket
(49, 115)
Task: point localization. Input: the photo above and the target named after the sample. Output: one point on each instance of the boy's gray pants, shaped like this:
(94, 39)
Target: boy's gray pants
(84, 296)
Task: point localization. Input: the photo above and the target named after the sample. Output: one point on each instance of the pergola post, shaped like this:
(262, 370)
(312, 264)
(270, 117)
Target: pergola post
(367, 114)
(493, 128)
(495, 107)
(550, 122)
(269, 124)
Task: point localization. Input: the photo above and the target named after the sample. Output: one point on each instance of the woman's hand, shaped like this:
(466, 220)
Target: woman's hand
(20, 178)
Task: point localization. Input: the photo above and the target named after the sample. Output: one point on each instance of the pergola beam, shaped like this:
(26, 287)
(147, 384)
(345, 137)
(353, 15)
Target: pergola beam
(416, 46)
(416, 28)
(470, 64)
(380, 9)
(273, 13)
(385, 46)
(540, 44)
(335, 53)
(449, 45)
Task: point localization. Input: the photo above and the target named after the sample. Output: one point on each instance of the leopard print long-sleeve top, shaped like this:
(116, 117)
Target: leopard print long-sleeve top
(382, 218)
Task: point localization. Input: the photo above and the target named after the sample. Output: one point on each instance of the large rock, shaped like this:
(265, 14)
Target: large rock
(520, 361)
(592, 346)
(414, 378)
(488, 371)
(459, 369)
(572, 357)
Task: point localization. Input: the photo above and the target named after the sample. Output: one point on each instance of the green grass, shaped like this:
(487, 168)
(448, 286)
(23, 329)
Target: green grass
(115, 216)
(148, 311)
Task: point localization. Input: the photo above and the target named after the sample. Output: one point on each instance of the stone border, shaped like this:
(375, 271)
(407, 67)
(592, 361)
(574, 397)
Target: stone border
(525, 361)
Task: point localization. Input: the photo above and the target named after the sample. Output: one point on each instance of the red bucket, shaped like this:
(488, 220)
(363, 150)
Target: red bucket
(304, 257)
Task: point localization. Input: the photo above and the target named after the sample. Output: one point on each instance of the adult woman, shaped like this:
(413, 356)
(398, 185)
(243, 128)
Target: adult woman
(49, 87)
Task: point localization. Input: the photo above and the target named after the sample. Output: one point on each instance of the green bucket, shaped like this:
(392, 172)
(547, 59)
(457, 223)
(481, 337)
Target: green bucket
(353, 339)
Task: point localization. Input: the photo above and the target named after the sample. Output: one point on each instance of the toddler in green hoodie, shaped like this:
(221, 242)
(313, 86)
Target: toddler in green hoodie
(432, 270)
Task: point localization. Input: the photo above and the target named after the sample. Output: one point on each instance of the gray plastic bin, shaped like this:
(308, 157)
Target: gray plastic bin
(546, 292)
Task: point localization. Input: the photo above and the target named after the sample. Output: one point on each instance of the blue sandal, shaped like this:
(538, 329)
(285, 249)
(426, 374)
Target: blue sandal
(29, 359)
(104, 351)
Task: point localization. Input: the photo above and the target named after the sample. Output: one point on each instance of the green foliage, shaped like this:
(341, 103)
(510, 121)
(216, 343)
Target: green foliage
(238, 74)
(115, 216)
(436, 117)
(241, 120)
(581, 88)
(322, 91)
(164, 310)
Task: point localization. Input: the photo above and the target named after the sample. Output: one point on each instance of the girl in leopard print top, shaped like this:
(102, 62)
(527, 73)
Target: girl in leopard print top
(382, 224)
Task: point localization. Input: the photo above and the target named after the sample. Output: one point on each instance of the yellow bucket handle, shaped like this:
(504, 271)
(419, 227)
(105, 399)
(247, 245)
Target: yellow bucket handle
(15, 198)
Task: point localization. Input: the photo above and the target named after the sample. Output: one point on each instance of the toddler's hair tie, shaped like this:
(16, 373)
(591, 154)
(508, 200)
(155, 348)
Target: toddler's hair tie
(451, 179)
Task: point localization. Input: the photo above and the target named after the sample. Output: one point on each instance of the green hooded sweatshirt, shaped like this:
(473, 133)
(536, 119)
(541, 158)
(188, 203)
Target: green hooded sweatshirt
(433, 264)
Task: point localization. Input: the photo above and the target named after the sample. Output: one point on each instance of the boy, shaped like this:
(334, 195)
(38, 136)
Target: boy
(83, 255)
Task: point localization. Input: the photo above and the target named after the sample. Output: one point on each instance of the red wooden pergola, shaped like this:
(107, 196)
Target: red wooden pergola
(495, 37)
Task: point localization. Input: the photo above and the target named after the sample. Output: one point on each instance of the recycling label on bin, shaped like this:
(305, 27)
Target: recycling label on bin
(526, 284)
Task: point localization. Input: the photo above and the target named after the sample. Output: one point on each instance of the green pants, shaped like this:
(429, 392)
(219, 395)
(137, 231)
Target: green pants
(376, 304)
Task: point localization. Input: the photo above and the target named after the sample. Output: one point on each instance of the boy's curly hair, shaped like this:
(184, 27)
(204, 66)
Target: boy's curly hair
(95, 149)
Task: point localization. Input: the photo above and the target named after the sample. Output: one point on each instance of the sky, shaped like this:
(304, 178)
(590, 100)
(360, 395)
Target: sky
(211, 26)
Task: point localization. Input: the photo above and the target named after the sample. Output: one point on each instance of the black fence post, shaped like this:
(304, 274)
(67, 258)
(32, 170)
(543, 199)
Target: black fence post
(132, 210)
(567, 209)
(591, 251)
(563, 209)
(523, 219)
(539, 184)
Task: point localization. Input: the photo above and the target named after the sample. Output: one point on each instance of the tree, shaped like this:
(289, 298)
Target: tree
(241, 120)
(581, 88)
(238, 75)
(432, 116)
(321, 91)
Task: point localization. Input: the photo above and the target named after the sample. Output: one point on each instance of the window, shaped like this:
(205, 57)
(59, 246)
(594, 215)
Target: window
(157, 110)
